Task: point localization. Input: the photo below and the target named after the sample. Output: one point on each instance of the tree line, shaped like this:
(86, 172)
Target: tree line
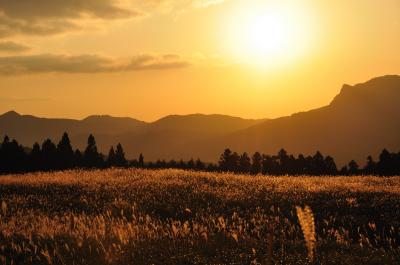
(318, 164)
(14, 158)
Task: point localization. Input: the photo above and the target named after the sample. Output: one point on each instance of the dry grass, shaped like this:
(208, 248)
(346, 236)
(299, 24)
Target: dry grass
(307, 223)
(180, 217)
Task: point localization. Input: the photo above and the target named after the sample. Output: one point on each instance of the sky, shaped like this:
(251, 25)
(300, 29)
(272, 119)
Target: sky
(148, 59)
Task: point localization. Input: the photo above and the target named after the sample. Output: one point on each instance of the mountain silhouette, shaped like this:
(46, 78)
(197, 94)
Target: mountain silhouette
(28, 129)
(158, 138)
(208, 124)
(361, 120)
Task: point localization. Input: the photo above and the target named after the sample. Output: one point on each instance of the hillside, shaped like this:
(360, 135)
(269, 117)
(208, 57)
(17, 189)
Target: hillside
(363, 119)
(28, 129)
(157, 139)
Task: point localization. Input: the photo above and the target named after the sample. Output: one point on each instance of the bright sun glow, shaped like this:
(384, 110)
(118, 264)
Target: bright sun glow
(269, 35)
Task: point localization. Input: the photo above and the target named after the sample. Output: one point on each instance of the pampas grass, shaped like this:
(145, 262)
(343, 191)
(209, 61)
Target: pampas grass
(306, 219)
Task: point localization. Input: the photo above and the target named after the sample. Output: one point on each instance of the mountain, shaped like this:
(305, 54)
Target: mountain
(28, 129)
(157, 139)
(362, 120)
(210, 124)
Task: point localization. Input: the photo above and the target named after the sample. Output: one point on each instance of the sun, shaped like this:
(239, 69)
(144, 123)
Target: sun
(269, 35)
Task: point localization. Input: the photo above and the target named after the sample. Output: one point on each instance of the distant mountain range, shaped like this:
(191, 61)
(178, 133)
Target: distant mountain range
(363, 119)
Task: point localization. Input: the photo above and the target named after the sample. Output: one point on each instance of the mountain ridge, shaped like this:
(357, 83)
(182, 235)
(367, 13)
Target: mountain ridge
(361, 120)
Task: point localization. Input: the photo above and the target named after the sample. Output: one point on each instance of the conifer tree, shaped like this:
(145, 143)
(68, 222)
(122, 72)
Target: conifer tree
(120, 156)
(111, 159)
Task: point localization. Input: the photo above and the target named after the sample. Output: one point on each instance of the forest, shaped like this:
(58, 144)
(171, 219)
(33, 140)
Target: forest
(15, 158)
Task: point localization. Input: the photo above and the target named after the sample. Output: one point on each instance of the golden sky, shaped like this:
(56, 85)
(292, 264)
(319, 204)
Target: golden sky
(148, 59)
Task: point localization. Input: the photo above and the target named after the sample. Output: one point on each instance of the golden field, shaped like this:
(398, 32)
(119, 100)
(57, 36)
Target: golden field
(136, 216)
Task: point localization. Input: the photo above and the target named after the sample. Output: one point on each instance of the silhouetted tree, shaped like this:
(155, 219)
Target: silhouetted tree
(91, 157)
(353, 168)
(13, 156)
(190, 164)
(181, 164)
(282, 160)
(386, 165)
(301, 165)
(35, 158)
(270, 165)
(141, 160)
(160, 164)
(111, 159)
(120, 157)
(330, 166)
(370, 167)
(172, 164)
(199, 165)
(65, 154)
(78, 158)
(344, 171)
(3, 155)
(256, 163)
(229, 161)
(244, 163)
(318, 164)
(49, 155)
(212, 167)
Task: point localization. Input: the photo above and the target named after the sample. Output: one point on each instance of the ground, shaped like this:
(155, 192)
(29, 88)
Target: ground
(134, 216)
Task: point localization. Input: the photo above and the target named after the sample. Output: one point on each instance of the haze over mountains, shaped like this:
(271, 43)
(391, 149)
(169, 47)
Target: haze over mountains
(361, 120)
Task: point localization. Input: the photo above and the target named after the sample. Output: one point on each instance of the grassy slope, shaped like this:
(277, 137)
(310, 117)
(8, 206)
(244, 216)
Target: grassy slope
(180, 217)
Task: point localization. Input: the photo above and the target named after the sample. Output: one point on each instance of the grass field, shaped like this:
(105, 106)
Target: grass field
(137, 216)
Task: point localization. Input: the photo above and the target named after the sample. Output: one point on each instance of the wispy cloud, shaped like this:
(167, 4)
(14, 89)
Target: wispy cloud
(22, 100)
(53, 63)
(13, 47)
(207, 3)
(151, 6)
(47, 17)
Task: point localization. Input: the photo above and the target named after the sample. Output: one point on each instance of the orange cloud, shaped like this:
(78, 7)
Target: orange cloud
(50, 63)
(56, 16)
(13, 47)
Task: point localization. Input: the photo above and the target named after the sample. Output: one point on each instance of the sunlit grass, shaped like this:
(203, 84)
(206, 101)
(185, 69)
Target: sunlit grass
(179, 217)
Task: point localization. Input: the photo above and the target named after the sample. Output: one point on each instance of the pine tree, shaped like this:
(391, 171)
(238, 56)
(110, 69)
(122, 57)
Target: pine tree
(318, 164)
(3, 154)
(111, 159)
(353, 168)
(65, 153)
(78, 158)
(141, 160)
(191, 164)
(229, 161)
(120, 157)
(224, 160)
(330, 166)
(256, 165)
(200, 165)
(35, 158)
(91, 156)
(370, 167)
(244, 163)
(49, 155)
(386, 163)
